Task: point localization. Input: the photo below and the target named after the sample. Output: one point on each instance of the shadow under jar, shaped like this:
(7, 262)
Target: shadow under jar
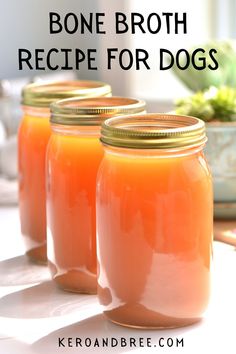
(33, 136)
(73, 157)
(154, 221)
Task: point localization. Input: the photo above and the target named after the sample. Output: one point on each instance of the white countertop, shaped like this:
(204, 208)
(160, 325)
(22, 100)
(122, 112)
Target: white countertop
(34, 314)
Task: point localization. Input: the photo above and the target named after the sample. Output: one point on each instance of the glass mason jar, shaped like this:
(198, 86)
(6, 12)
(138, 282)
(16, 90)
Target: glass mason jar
(154, 221)
(33, 136)
(73, 156)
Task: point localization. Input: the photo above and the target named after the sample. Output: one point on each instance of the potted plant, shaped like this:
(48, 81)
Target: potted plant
(214, 101)
(217, 107)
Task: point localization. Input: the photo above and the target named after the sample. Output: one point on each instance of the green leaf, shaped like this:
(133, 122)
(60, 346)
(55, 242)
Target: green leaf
(214, 103)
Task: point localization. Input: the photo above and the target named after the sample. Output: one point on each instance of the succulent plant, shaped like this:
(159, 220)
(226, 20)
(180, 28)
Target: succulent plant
(196, 106)
(212, 104)
(224, 104)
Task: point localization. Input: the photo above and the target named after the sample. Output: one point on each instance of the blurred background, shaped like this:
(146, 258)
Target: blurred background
(25, 24)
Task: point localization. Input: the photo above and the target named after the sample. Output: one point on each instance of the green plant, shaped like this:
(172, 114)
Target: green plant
(212, 104)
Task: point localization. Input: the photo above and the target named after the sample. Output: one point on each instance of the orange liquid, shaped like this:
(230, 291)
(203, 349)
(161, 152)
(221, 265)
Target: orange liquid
(72, 164)
(33, 136)
(154, 224)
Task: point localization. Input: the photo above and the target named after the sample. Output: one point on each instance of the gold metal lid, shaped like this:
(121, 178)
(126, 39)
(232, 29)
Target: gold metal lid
(92, 111)
(154, 131)
(43, 94)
